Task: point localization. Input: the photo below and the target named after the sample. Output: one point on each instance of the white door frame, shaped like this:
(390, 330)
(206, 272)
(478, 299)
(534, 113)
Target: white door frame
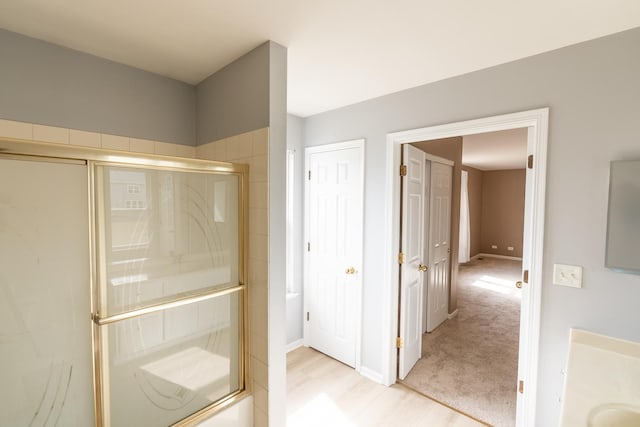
(537, 121)
(356, 143)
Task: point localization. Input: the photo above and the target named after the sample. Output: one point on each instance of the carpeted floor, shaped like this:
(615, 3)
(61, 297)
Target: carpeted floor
(471, 361)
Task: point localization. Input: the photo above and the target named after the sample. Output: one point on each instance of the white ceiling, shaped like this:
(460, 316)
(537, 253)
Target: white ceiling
(340, 51)
(505, 149)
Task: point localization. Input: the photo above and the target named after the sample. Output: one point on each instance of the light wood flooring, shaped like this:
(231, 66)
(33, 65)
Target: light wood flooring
(323, 392)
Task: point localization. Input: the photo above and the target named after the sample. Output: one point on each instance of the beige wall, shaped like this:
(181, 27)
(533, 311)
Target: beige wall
(252, 148)
(502, 211)
(475, 207)
(450, 149)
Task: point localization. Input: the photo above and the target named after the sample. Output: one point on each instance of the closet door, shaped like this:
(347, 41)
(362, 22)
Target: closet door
(45, 326)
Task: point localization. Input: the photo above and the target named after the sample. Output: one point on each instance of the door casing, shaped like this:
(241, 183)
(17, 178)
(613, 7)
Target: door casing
(537, 122)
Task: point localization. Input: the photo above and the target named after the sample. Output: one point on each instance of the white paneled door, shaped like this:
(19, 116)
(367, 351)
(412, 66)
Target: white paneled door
(334, 210)
(439, 244)
(412, 269)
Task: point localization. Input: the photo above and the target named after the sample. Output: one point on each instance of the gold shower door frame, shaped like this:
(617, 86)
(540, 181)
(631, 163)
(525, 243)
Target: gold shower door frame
(93, 157)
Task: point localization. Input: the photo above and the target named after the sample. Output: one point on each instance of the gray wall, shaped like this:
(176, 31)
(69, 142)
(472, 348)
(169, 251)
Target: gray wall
(47, 84)
(593, 92)
(295, 302)
(235, 99)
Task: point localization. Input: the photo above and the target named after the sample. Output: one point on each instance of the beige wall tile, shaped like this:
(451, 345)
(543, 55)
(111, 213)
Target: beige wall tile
(259, 348)
(242, 146)
(260, 142)
(141, 146)
(113, 142)
(185, 151)
(165, 148)
(258, 195)
(258, 296)
(232, 147)
(206, 151)
(258, 246)
(222, 149)
(258, 269)
(85, 139)
(18, 130)
(50, 134)
(260, 398)
(260, 373)
(260, 418)
(258, 221)
(259, 169)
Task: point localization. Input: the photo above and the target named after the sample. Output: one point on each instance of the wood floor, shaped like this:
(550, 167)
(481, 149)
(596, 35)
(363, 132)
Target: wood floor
(323, 392)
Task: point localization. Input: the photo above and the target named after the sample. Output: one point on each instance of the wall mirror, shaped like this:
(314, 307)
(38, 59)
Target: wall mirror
(623, 221)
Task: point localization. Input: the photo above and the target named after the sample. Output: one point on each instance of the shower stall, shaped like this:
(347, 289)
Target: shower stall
(123, 287)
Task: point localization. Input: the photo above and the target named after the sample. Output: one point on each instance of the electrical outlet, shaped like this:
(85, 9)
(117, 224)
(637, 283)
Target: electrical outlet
(494, 246)
(567, 275)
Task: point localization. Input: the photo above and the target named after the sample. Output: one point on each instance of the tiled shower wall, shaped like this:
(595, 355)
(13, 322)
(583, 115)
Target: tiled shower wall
(41, 133)
(249, 148)
(252, 148)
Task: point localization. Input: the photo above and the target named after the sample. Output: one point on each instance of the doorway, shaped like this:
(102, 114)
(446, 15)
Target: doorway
(470, 362)
(333, 256)
(536, 123)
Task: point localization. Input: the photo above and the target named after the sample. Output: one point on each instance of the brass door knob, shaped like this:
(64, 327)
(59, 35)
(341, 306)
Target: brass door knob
(519, 284)
(422, 267)
(350, 270)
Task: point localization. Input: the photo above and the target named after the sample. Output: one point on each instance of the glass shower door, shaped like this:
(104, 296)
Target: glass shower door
(168, 295)
(45, 328)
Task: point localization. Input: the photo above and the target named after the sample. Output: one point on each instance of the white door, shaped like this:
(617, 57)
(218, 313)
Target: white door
(439, 244)
(412, 268)
(526, 296)
(334, 210)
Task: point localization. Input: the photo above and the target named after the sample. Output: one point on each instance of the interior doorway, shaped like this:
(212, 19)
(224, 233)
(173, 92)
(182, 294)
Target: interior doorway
(470, 362)
(535, 123)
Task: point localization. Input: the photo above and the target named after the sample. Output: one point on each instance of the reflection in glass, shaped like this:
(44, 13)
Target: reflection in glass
(164, 366)
(165, 234)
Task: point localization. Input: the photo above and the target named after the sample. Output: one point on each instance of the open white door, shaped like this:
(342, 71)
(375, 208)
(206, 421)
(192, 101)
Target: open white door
(439, 244)
(412, 268)
(334, 211)
(525, 302)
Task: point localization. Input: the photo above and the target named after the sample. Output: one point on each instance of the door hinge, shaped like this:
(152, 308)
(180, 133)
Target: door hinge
(525, 276)
(403, 170)
(399, 342)
(308, 247)
(401, 258)
(521, 387)
(530, 161)
(307, 316)
(309, 175)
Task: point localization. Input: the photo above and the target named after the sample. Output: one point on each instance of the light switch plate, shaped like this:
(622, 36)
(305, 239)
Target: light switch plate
(567, 275)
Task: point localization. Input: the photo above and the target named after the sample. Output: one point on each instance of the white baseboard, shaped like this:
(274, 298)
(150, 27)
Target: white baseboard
(296, 344)
(514, 258)
(372, 375)
(452, 315)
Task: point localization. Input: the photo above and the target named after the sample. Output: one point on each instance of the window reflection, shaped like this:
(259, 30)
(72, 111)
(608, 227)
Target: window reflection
(166, 365)
(166, 233)
(129, 217)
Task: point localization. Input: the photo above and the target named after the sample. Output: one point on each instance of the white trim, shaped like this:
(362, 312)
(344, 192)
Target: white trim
(356, 143)
(452, 315)
(515, 258)
(537, 123)
(371, 374)
(295, 345)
